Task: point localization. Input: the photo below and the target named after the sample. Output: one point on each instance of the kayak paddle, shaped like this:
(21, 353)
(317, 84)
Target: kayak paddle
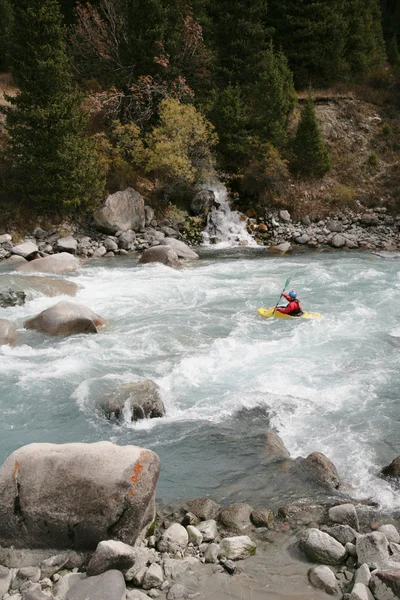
(276, 305)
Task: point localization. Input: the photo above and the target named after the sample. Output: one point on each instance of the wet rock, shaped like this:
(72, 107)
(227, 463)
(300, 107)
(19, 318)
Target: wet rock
(121, 211)
(322, 548)
(322, 470)
(342, 533)
(141, 399)
(57, 264)
(27, 250)
(177, 591)
(373, 550)
(237, 548)
(5, 580)
(363, 575)
(202, 202)
(203, 508)
(162, 254)
(208, 530)
(195, 536)
(111, 554)
(385, 585)
(392, 470)
(153, 578)
(182, 249)
(12, 298)
(67, 244)
(345, 514)
(236, 517)
(391, 533)
(108, 586)
(126, 240)
(361, 592)
(338, 241)
(322, 578)
(65, 318)
(45, 285)
(274, 448)
(8, 332)
(174, 539)
(262, 517)
(282, 248)
(303, 239)
(228, 565)
(211, 554)
(76, 507)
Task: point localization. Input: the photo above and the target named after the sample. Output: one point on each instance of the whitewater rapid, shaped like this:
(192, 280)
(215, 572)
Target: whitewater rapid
(227, 376)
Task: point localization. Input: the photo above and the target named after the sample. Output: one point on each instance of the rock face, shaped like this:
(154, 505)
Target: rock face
(57, 264)
(108, 586)
(142, 399)
(202, 202)
(8, 332)
(392, 470)
(322, 470)
(182, 249)
(162, 254)
(120, 212)
(65, 318)
(322, 548)
(58, 496)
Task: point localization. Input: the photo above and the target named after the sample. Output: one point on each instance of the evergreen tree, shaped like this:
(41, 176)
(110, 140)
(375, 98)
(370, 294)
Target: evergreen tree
(53, 162)
(311, 156)
(5, 31)
(391, 28)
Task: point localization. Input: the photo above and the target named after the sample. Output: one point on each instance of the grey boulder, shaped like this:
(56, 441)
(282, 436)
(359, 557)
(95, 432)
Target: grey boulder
(57, 264)
(97, 491)
(391, 533)
(321, 469)
(6, 576)
(182, 249)
(126, 240)
(142, 400)
(108, 586)
(121, 211)
(345, 514)
(274, 448)
(323, 578)
(65, 318)
(111, 554)
(373, 550)
(160, 254)
(203, 508)
(342, 533)
(236, 517)
(8, 332)
(361, 592)
(153, 578)
(237, 547)
(176, 592)
(385, 585)
(26, 250)
(208, 530)
(202, 202)
(174, 539)
(322, 548)
(67, 244)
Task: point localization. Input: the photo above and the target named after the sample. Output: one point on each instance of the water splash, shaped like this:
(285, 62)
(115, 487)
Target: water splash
(225, 227)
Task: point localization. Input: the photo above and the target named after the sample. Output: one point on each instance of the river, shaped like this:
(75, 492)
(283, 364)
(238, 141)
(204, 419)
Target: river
(227, 375)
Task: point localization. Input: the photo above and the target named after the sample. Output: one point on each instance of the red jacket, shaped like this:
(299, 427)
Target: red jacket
(294, 306)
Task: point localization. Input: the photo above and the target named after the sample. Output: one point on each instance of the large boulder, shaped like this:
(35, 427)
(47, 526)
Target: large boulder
(174, 539)
(322, 470)
(65, 318)
(345, 514)
(203, 508)
(182, 249)
(26, 250)
(162, 254)
(108, 586)
(392, 470)
(385, 585)
(111, 554)
(202, 202)
(237, 548)
(8, 332)
(323, 578)
(57, 264)
(322, 548)
(274, 448)
(373, 550)
(120, 212)
(67, 244)
(141, 399)
(76, 495)
(236, 517)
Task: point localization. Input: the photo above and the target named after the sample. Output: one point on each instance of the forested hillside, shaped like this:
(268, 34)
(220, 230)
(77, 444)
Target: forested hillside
(166, 94)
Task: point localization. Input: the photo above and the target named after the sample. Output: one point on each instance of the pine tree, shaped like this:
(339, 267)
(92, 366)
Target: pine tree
(311, 156)
(53, 162)
(391, 28)
(5, 30)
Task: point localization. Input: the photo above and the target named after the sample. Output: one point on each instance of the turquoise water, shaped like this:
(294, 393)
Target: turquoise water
(226, 374)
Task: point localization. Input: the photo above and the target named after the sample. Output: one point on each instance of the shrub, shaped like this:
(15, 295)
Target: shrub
(343, 196)
(373, 160)
(267, 175)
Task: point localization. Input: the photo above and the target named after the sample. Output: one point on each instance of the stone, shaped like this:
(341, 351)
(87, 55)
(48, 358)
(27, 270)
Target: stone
(173, 568)
(6, 576)
(274, 448)
(342, 533)
(153, 593)
(67, 244)
(174, 539)
(121, 211)
(8, 332)
(182, 249)
(110, 245)
(282, 248)
(195, 536)
(141, 400)
(208, 530)
(385, 585)
(322, 470)
(126, 240)
(34, 592)
(211, 554)
(15, 259)
(25, 574)
(39, 233)
(76, 507)
(351, 549)
(262, 517)
(143, 557)
(203, 508)
(345, 514)
(334, 226)
(338, 241)
(99, 252)
(108, 586)
(284, 215)
(5, 237)
(373, 549)
(48, 286)
(57, 264)
(237, 548)
(162, 254)
(202, 202)
(149, 215)
(26, 250)
(361, 592)
(11, 298)
(111, 554)
(363, 575)
(177, 591)
(322, 548)
(392, 470)
(136, 595)
(322, 578)
(228, 565)
(52, 565)
(154, 577)
(236, 517)
(65, 318)
(391, 533)
(302, 239)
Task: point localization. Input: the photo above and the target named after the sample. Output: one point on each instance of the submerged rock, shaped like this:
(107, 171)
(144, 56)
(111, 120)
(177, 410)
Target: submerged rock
(8, 332)
(392, 470)
(88, 492)
(182, 249)
(12, 298)
(121, 211)
(274, 448)
(322, 469)
(141, 399)
(162, 254)
(237, 548)
(57, 264)
(65, 318)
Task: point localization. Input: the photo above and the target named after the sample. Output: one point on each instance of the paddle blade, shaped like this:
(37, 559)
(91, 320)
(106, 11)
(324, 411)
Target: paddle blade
(287, 282)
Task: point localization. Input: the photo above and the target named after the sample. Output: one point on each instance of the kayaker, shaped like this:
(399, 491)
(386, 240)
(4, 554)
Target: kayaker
(293, 308)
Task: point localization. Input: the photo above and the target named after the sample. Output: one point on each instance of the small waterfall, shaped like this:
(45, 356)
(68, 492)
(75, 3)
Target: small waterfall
(224, 226)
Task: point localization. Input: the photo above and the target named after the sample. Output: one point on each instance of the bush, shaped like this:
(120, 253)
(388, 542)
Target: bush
(373, 160)
(343, 196)
(267, 176)
(386, 129)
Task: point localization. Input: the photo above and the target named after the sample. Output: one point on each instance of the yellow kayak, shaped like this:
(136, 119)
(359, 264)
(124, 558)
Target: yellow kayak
(269, 312)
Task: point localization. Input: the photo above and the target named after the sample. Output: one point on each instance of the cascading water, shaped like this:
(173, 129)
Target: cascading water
(225, 227)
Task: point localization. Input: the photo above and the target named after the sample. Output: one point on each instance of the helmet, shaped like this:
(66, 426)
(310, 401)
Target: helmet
(292, 295)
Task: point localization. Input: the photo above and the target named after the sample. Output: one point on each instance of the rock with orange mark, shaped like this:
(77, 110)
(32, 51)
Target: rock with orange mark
(76, 495)
(8, 332)
(262, 228)
(65, 318)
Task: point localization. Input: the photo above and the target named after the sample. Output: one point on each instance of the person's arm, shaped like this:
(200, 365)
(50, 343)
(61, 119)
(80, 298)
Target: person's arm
(286, 310)
(288, 298)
